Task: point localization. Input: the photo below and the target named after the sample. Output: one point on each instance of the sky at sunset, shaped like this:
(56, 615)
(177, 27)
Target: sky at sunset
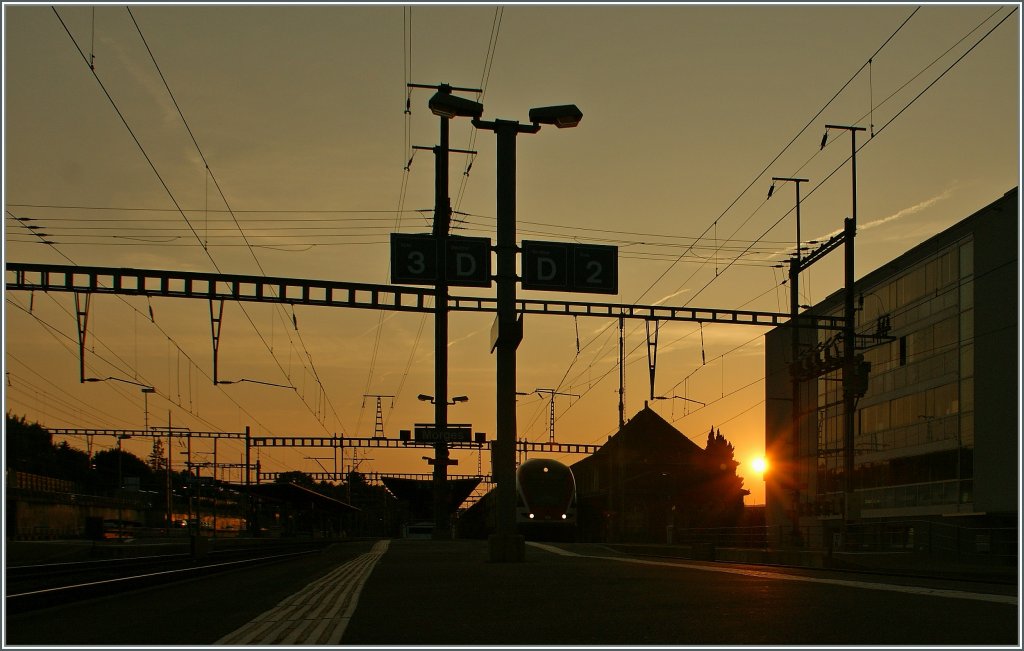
(299, 113)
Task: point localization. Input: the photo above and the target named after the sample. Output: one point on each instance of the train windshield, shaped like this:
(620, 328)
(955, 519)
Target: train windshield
(546, 485)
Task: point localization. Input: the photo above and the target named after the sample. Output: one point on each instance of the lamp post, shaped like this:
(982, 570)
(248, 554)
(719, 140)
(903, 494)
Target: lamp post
(441, 497)
(849, 332)
(446, 106)
(145, 406)
(506, 545)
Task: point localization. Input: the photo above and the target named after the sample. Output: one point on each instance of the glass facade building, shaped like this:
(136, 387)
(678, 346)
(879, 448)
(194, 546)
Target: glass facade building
(936, 433)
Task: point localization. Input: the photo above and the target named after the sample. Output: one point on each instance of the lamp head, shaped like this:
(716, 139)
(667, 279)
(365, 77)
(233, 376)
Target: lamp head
(564, 116)
(446, 105)
(460, 399)
(424, 397)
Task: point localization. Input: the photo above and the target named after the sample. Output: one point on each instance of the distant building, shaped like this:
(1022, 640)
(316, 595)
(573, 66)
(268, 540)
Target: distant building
(649, 477)
(936, 445)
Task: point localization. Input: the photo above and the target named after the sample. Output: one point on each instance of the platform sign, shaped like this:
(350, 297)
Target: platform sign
(453, 434)
(414, 260)
(469, 261)
(570, 267)
(546, 266)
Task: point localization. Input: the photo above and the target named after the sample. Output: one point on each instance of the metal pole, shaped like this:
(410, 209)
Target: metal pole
(170, 494)
(506, 545)
(249, 506)
(622, 377)
(120, 514)
(442, 216)
(794, 306)
(214, 491)
(849, 361)
(794, 303)
(189, 478)
(849, 335)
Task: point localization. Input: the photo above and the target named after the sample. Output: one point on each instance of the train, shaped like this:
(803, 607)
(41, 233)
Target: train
(545, 504)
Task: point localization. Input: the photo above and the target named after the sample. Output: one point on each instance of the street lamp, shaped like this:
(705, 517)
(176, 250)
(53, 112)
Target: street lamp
(506, 544)
(145, 406)
(425, 398)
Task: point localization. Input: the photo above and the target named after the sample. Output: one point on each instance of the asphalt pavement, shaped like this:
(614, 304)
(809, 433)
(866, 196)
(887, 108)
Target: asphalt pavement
(409, 593)
(447, 593)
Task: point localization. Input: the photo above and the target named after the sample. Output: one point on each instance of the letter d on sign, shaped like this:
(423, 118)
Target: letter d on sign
(546, 269)
(465, 264)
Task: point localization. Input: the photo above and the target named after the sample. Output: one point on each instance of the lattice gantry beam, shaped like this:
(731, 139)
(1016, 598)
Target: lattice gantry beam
(210, 286)
(346, 442)
(645, 312)
(158, 433)
(371, 477)
(182, 284)
(563, 448)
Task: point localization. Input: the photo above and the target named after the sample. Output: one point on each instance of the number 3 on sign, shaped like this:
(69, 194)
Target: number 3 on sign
(417, 262)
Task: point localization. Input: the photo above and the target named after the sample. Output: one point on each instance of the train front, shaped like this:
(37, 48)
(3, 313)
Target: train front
(546, 505)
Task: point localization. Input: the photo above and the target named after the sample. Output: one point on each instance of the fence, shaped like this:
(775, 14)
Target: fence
(957, 542)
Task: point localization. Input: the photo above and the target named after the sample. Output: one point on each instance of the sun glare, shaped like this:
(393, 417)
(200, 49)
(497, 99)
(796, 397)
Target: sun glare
(759, 465)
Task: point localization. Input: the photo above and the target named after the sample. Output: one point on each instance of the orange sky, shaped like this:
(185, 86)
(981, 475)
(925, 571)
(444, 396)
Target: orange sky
(299, 113)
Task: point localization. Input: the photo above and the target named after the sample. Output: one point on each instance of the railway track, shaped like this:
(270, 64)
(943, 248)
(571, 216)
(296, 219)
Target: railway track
(31, 587)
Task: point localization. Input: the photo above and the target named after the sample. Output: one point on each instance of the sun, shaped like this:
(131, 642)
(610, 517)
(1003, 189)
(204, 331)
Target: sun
(759, 464)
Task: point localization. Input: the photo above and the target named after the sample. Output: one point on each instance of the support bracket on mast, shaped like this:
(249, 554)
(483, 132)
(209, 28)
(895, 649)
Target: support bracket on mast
(215, 323)
(652, 349)
(82, 317)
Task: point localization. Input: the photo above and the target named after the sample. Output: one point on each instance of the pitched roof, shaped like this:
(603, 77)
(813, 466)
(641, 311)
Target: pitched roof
(648, 431)
(419, 493)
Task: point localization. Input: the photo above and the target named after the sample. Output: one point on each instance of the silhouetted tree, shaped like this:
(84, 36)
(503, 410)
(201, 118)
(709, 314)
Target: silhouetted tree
(723, 489)
(157, 457)
(296, 477)
(29, 446)
(105, 467)
(72, 464)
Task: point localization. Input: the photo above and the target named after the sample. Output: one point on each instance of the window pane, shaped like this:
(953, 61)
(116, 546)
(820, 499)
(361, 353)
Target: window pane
(966, 259)
(967, 325)
(967, 360)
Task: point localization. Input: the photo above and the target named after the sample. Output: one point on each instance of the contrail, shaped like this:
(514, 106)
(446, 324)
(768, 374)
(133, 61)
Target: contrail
(916, 208)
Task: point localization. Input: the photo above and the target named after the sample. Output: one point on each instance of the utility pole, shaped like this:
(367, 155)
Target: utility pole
(446, 106)
(551, 422)
(170, 492)
(622, 373)
(794, 311)
(849, 335)
(378, 426)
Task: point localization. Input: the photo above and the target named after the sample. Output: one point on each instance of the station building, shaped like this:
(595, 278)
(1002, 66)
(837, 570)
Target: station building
(650, 483)
(936, 438)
